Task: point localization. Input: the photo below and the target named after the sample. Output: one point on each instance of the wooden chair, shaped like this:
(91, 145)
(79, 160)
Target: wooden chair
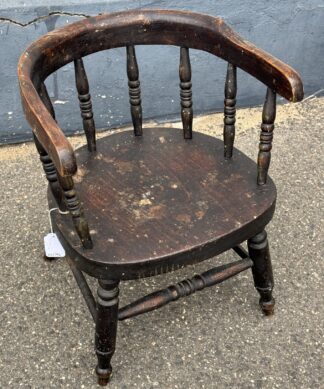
(151, 202)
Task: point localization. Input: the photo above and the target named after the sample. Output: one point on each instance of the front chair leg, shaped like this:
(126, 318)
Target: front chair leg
(262, 271)
(106, 327)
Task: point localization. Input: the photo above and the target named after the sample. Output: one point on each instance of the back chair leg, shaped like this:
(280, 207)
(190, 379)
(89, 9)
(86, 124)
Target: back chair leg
(262, 271)
(106, 327)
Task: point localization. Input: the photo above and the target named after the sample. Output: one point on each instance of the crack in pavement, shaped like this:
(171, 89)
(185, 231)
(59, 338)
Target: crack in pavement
(40, 18)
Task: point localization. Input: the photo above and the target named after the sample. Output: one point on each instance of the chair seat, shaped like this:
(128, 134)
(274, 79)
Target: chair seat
(158, 202)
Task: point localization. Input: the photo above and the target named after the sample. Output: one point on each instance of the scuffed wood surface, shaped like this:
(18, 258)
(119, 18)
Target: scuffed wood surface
(158, 202)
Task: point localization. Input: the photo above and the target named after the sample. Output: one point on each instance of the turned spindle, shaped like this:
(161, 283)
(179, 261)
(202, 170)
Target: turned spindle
(82, 84)
(185, 92)
(51, 174)
(184, 288)
(267, 127)
(74, 207)
(47, 163)
(229, 110)
(134, 90)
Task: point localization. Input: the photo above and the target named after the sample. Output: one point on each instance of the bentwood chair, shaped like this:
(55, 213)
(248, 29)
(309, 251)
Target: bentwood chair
(148, 202)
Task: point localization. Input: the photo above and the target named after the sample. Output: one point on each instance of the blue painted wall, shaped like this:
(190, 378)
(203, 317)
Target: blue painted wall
(291, 30)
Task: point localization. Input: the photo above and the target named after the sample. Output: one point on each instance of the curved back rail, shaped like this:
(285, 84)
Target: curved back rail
(139, 27)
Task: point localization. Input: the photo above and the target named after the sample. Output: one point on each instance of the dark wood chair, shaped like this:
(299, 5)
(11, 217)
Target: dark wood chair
(152, 201)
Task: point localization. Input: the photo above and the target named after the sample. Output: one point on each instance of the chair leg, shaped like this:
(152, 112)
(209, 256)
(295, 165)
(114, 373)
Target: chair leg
(106, 327)
(262, 271)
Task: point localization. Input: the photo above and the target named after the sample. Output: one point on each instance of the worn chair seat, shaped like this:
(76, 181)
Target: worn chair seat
(136, 190)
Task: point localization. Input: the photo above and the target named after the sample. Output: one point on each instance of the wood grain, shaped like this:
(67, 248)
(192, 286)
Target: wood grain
(170, 195)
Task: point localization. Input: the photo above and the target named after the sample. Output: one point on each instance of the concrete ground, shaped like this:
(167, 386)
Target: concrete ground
(216, 338)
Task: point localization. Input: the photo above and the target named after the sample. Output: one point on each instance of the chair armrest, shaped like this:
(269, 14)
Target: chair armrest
(268, 69)
(46, 129)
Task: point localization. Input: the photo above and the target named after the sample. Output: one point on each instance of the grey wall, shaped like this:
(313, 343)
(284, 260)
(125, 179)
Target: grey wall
(289, 29)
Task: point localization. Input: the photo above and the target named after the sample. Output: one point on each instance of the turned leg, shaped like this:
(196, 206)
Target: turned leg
(262, 271)
(106, 328)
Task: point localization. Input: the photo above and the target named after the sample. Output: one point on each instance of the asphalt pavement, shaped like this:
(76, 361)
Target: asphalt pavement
(217, 338)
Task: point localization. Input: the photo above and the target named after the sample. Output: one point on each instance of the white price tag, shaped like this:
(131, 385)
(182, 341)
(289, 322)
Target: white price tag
(53, 247)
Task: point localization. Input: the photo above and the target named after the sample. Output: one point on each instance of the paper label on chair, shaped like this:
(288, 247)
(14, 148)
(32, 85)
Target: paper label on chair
(53, 247)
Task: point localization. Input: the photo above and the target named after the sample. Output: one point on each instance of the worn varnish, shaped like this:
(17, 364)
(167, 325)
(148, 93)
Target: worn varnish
(144, 205)
(141, 188)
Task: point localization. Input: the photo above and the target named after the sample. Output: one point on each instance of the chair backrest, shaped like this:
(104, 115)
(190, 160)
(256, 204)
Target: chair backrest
(140, 27)
(184, 29)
